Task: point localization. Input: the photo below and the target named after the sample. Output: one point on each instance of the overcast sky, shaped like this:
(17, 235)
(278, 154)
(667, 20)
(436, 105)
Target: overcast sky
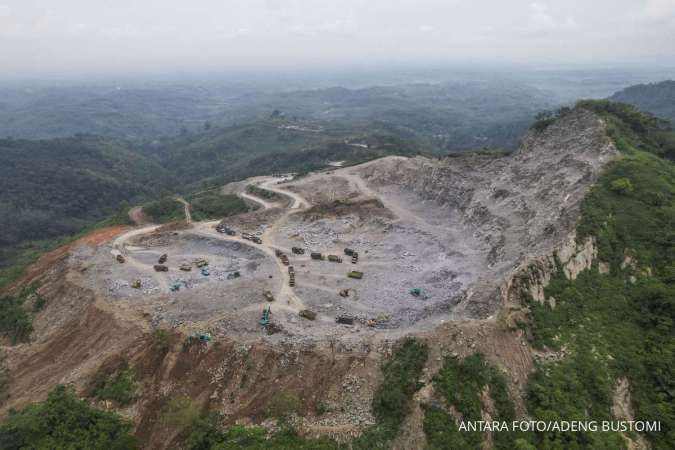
(95, 36)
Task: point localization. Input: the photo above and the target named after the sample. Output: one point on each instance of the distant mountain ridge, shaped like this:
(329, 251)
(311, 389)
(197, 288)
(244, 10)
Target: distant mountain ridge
(656, 98)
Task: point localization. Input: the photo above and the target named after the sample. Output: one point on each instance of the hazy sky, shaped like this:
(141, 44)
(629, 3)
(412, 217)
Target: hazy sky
(95, 36)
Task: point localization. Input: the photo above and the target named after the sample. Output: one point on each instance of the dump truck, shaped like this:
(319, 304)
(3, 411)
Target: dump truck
(349, 252)
(291, 280)
(160, 268)
(284, 260)
(291, 270)
(307, 314)
(344, 320)
(162, 259)
(355, 274)
(120, 259)
(185, 267)
(334, 258)
(355, 257)
(268, 296)
(298, 250)
(224, 229)
(418, 292)
(317, 256)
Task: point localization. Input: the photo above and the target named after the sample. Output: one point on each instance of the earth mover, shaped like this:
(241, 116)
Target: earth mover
(298, 250)
(355, 274)
(349, 251)
(307, 314)
(265, 319)
(268, 296)
(120, 259)
(162, 259)
(318, 256)
(160, 268)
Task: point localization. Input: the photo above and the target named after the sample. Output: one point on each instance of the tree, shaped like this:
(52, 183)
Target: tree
(63, 421)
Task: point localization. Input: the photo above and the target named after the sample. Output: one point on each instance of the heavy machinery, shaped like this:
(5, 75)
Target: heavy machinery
(186, 267)
(268, 296)
(136, 284)
(160, 268)
(317, 256)
(162, 259)
(265, 319)
(418, 292)
(120, 259)
(298, 250)
(201, 263)
(284, 260)
(278, 252)
(355, 274)
(349, 252)
(344, 320)
(225, 229)
(202, 338)
(307, 314)
(256, 239)
(355, 257)
(246, 236)
(233, 275)
(344, 293)
(205, 271)
(334, 258)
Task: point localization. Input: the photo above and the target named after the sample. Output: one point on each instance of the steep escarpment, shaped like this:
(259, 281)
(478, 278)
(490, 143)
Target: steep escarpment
(516, 207)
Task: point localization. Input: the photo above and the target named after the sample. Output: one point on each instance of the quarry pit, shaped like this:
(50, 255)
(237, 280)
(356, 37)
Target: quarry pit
(436, 239)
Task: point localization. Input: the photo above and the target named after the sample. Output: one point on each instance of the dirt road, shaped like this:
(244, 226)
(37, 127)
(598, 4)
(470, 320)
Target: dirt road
(287, 297)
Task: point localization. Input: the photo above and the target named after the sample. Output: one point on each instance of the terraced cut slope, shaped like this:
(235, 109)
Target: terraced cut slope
(436, 239)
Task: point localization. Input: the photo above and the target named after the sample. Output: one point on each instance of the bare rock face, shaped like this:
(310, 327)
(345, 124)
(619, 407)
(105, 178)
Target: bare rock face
(517, 207)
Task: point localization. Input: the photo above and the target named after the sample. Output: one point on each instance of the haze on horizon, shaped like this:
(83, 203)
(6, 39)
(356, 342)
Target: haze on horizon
(39, 37)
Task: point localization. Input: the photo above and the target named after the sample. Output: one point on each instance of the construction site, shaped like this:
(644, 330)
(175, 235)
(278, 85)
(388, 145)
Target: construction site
(385, 248)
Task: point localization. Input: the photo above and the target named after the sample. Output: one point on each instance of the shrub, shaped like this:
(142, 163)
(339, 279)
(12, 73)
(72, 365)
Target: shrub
(621, 186)
(63, 421)
(120, 387)
(15, 322)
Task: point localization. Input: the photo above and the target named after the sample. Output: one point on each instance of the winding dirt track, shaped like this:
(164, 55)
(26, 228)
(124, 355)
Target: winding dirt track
(289, 300)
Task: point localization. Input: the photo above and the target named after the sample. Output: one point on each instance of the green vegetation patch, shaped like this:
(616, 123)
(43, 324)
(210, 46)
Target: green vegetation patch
(262, 193)
(166, 209)
(616, 325)
(213, 205)
(16, 321)
(63, 421)
(391, 402)
(120, 387)
(461, 383)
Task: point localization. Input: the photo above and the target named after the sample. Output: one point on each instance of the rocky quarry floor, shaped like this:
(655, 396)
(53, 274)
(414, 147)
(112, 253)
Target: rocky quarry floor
(455, 228)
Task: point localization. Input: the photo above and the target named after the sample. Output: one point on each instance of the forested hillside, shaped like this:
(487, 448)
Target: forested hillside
(57, 187)
(656, 98)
